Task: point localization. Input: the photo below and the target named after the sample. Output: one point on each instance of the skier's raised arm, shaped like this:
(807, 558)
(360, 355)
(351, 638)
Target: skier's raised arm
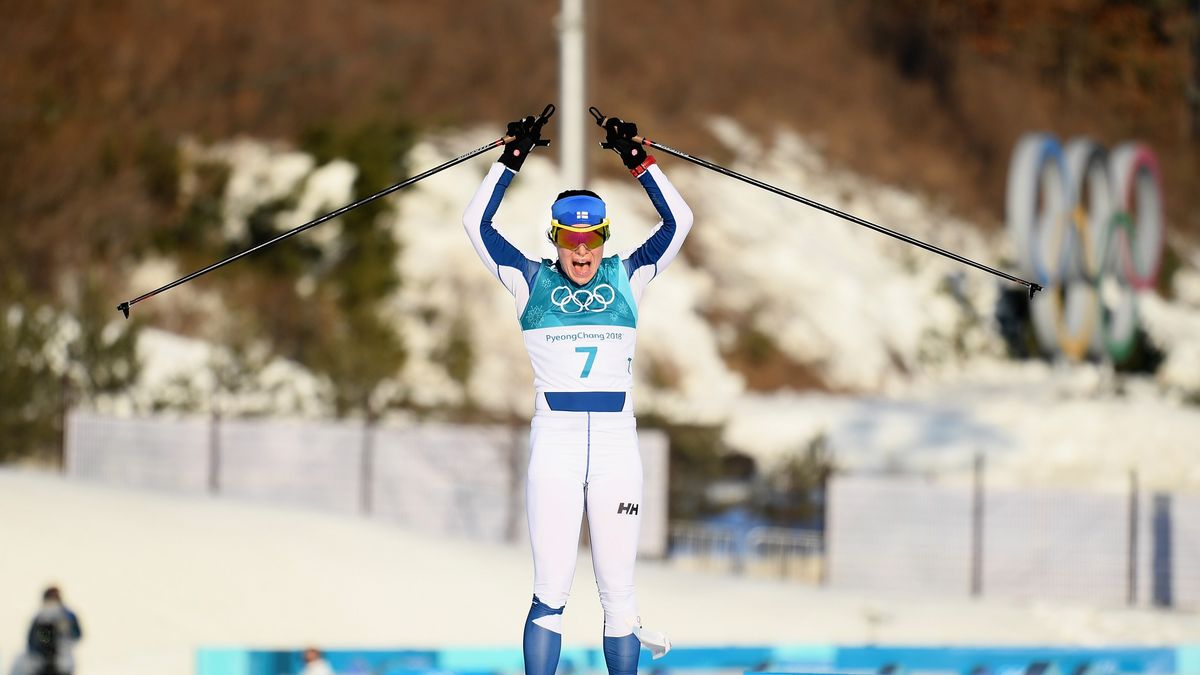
(512, 267)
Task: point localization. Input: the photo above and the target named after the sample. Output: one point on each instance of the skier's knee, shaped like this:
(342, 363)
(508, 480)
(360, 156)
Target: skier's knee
(545, 615)
(550, 596)
(620, 611)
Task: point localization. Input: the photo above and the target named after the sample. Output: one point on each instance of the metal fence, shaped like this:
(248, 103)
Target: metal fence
(903, 533)
(896, 533)
(759, 551)
(451, 479)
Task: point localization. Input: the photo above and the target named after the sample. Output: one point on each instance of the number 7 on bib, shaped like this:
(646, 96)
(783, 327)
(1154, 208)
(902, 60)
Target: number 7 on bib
(591, 358)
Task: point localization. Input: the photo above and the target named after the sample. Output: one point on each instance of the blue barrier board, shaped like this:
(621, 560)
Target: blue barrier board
(789, 659)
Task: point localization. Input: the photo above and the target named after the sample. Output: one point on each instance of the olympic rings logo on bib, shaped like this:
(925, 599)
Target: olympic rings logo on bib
(574, 301)
(1088, 225)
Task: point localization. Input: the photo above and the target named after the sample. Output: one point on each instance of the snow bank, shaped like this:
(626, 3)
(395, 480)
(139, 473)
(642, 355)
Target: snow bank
(1035, 424)
(181, 373)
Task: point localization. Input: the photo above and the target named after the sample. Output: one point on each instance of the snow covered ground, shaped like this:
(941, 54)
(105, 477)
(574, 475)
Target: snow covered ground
(154, 576)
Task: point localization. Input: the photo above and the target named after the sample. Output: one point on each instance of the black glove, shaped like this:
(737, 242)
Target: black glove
(528, 135)
(619, 138)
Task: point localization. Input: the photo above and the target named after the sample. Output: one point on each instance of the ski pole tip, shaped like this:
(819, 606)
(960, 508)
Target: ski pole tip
(1033, 288)
(124, 309)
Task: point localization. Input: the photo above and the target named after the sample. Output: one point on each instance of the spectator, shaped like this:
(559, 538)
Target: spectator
(52, 637)
(315, 663)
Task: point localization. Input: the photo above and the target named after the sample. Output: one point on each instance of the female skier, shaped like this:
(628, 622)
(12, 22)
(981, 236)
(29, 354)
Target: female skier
(578, 315)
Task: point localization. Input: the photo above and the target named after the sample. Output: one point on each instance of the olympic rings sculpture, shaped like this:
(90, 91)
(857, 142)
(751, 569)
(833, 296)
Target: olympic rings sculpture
(1088, 225)
(582, 299)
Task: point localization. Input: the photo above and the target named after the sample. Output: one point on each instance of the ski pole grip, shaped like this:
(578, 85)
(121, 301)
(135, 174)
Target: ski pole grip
(601, 119)
(547, 112)
(542, 118)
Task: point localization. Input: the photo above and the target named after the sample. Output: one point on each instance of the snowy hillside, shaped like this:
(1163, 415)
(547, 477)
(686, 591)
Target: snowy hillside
(889, 352)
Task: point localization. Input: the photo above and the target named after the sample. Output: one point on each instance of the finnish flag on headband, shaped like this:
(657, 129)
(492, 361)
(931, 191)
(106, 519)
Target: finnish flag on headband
(578, 210)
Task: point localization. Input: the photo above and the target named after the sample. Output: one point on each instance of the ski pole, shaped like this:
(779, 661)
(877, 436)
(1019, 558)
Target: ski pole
(1033, 287)
(504, 140)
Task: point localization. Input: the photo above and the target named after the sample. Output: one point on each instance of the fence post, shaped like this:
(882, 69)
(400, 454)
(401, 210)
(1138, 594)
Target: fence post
(1162, 590)
(1131, 580)
(977, 507)
(64, 409)
(367, 466)
(214, 452)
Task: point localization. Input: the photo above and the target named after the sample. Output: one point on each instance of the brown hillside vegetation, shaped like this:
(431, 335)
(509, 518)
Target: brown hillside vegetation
(927, 94)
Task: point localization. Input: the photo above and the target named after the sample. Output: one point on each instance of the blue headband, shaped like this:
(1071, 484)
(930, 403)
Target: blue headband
(578, 210)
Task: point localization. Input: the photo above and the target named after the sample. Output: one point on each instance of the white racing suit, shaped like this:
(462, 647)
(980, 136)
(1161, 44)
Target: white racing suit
(584, 450)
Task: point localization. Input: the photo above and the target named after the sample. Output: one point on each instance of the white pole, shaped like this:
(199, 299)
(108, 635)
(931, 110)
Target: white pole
(572, 111)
